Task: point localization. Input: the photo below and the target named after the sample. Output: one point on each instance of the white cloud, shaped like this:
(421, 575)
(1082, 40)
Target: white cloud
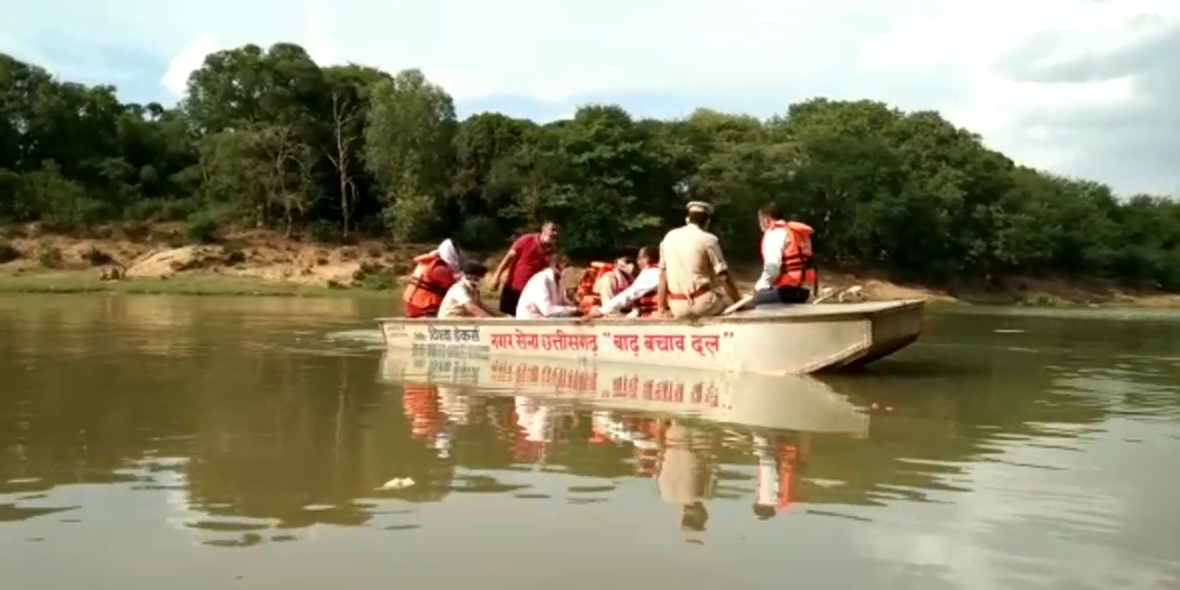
(187, 61)
(941, 54)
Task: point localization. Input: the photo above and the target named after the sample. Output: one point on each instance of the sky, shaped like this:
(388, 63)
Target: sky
(1077, 87)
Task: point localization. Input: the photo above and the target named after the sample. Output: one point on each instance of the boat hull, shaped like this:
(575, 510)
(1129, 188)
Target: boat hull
(775, 340)
(798, 402)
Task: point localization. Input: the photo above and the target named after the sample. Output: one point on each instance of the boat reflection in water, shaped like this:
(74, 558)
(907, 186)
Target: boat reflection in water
(675, 422)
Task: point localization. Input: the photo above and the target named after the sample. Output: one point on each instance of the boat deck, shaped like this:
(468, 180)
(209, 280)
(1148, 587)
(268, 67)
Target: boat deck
(823, 310)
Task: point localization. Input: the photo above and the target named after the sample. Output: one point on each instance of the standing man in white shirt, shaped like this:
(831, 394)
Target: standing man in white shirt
(640, 296)
(463, 299)
(788, 266)
(543, 296)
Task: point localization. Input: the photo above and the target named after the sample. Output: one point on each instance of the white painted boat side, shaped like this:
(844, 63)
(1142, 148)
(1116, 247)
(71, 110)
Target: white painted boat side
(796, 402)
(775, 340)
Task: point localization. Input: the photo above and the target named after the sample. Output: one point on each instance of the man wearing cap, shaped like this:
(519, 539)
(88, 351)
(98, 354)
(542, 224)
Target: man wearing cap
(693, 272)
(463, 298)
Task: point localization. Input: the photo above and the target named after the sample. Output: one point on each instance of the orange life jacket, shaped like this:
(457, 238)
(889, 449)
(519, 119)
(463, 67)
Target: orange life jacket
(785, 456)
(587, 296)
(798, 269)
(420, 404)
(423, 291)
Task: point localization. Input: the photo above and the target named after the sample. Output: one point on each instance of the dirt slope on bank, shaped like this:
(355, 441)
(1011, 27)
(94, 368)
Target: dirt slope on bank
(250, 254)
(156, 253)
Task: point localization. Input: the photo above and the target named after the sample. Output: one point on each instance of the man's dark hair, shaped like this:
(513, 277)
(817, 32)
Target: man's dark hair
(698, 218)
(650, 254)
(772, 211)
(474, 269)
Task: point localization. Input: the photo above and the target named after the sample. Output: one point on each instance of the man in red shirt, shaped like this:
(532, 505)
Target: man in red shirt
(527, 257)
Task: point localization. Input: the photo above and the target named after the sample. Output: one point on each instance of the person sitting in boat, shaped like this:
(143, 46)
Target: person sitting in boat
(788, 267)
(463, 299)
(640, 297)
(693, 272)
(602, 280)
(542, 296)
(525, 258)
(434, 274)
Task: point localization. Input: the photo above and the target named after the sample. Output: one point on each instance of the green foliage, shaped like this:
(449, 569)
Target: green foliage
(266, 138)
(202, 228)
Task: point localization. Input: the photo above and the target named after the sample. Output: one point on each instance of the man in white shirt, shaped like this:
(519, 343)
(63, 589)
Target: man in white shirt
(776, 240)
(641, 290)
(543, 297)
(463, 298)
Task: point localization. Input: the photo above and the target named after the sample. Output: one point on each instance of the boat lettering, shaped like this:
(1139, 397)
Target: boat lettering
(701, 344)
(452, 370)
(454, 334)
(664, 342)
(556, 377)
(558, 340)
(452, 351)
(627, 342)
(662, 391)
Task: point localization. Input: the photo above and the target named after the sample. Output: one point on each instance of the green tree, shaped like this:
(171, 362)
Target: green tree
(268, 138)
(408, 149)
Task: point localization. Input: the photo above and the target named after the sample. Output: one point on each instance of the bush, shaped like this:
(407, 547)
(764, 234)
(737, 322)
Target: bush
(160, 210)
(50, 256)
(325, 232)
(97, 257)
(8, 253)
(202, 227)
(479, 233)
(233, 255)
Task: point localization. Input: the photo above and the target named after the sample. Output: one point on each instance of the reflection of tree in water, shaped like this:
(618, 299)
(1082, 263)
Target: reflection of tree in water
(78, 422)
(304, 455)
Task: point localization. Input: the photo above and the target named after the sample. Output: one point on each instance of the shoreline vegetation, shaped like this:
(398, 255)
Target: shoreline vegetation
(274, 175)
(157, 261)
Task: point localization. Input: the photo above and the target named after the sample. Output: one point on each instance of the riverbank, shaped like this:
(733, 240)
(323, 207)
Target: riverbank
(155, 260)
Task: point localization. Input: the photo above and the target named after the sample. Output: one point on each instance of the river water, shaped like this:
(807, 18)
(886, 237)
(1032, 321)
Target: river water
(207, 443)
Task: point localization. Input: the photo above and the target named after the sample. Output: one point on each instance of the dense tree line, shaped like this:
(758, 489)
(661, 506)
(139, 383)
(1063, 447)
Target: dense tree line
(265, 137)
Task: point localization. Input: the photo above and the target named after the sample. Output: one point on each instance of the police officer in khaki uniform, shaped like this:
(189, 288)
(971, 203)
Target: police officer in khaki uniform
(693, 272)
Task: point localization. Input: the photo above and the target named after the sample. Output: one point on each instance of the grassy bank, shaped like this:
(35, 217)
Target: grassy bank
(87, 282)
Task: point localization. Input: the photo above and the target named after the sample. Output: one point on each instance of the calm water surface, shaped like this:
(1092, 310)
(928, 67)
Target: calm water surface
(213, 443)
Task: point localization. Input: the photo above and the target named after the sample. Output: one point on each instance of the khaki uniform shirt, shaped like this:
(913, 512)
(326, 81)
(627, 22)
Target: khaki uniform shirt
(691, 259)
(685, 475)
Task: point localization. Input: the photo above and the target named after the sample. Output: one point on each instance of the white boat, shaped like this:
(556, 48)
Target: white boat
(796, 402)
(772, 339)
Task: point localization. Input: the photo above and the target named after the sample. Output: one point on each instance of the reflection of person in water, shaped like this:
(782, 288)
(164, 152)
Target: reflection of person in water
(428, 466)
(645, 436)
(456, 407)
(420, 404)
(536, 425)
(778, 460)
(686, 473)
